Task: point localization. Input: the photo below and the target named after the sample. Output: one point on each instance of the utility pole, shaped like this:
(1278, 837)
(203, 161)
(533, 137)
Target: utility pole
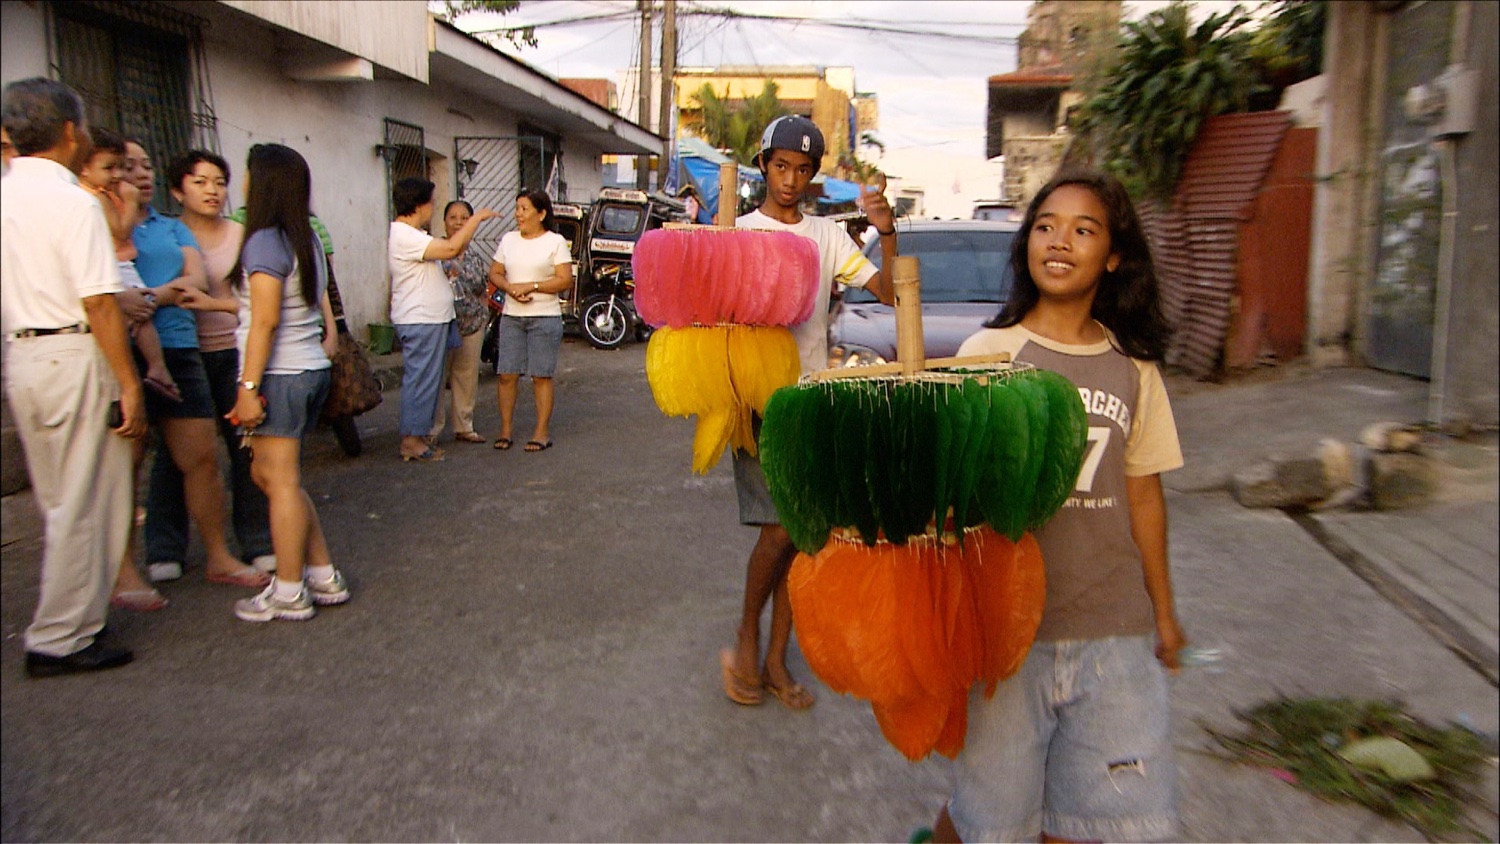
(668, 89)
(643, 162)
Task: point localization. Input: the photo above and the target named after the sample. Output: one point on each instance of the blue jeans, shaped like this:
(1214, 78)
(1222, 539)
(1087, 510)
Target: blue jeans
(424, 347)
(166, 506)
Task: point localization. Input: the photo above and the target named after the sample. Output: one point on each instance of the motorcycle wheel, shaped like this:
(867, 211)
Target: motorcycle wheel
(347, 433)
(605, 322)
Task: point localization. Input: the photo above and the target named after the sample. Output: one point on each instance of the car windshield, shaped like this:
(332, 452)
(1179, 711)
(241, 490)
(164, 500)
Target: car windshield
(971, 265)
(620, 219)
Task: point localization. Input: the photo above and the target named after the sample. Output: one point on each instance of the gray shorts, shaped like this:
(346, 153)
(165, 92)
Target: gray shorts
(1074, 744)
(293, 403)
(756, 507)
(528, 345)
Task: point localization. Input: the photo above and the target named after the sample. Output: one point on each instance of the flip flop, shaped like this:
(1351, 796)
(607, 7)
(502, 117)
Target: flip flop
(468, 437)
(163, 389)
(503, 444)
(534, 446)
(738, 687)
(138, 600)
(248, 577)
(794, 696)
(428, 456)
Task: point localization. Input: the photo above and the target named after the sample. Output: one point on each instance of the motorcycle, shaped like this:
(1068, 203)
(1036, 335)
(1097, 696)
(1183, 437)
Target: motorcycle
(602, 303)
(608, 316)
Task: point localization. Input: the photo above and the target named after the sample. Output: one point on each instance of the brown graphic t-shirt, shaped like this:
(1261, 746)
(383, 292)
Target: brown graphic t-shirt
(1095, 584)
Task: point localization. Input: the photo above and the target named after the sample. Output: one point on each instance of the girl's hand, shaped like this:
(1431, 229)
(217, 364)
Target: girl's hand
(194, 300)
(1170, 640)
(482, 214)
(249, 410)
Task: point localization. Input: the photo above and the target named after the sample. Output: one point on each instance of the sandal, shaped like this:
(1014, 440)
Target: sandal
(503, 444)
(468, 437)
(138, 600)
(794, 696)
(248, 577)
(534, 446)
(429, 456)
(740, 688)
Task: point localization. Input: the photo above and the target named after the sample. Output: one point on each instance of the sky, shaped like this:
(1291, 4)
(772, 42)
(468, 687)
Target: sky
(930, 79)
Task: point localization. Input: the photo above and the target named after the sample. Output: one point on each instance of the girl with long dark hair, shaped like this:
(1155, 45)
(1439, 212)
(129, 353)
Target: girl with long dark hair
(285, 337)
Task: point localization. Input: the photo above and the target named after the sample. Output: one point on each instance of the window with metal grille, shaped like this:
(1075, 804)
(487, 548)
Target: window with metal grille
(133, 64)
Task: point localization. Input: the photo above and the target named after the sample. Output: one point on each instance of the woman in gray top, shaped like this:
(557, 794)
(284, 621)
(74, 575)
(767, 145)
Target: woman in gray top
(284, 344)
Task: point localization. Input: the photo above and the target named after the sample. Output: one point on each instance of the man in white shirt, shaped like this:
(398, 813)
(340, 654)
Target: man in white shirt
(69, 375)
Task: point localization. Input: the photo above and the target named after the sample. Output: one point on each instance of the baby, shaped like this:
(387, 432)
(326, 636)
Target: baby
(101, 175)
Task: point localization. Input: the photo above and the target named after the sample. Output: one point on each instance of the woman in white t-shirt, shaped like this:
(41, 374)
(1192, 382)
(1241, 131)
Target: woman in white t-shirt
(422, 308)
(531, 267)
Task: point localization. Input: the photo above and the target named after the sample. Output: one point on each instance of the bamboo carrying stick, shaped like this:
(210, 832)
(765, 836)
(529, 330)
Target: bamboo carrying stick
(729, 173)
(906, 278)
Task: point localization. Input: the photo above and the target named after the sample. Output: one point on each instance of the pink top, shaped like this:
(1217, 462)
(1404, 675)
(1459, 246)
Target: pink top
(216, 328)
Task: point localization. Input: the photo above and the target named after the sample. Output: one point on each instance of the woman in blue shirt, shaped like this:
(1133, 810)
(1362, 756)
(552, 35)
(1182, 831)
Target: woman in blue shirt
(169, 262)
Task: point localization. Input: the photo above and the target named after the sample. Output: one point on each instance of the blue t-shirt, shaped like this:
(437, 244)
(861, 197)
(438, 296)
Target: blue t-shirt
(298, 343)
(158, 245)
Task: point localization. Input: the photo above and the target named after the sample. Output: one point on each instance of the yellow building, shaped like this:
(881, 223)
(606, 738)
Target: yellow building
(825, 95)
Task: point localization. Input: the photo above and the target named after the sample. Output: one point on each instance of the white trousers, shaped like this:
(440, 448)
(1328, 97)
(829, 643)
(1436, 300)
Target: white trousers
(60, 388)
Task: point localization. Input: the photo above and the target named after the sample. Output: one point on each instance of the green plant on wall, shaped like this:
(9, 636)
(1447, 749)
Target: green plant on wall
(1169, 76)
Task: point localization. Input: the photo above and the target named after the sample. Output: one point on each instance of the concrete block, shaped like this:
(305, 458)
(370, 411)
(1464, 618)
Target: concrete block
(1391, 437)
(1401, 480)
(1282, 482)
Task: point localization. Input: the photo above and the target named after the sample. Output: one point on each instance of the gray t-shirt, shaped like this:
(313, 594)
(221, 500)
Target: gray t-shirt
(298, 345)
(1096, 585)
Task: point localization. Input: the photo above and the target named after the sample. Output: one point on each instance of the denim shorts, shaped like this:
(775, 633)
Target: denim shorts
(528, 345)
(186, 366)
(293, 403)
(756, 507)
(1075, 744)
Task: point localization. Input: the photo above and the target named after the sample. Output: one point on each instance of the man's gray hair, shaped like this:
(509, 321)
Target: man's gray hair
(35, 111)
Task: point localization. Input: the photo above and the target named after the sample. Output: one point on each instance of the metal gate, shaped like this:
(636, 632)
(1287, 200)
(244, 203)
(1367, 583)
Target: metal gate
(1400, 308)
(405, 156)
(489, 174)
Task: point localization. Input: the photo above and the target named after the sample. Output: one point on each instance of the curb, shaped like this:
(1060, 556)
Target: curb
(1451, 634)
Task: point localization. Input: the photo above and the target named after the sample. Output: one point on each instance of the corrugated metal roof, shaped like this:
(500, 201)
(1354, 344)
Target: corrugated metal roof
(1195, 241)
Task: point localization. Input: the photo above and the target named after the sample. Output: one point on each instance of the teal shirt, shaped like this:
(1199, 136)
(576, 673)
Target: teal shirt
(158, 244)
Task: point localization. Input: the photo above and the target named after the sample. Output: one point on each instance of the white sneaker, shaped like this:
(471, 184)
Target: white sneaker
(267, 607)
(326, 593)
(162, 572)
(265, 562)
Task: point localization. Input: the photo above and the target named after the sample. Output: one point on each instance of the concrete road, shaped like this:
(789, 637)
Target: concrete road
(531, 655)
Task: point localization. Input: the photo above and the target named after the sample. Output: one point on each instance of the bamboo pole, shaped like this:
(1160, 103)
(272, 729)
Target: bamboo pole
(729, 195)
(906, 278)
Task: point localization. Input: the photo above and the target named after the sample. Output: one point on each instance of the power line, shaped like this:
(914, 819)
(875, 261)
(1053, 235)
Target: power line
(906, 28)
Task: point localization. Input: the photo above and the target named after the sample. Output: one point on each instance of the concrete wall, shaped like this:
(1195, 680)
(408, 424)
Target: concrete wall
(1465, 381)
(335, 125)
(1344, 200)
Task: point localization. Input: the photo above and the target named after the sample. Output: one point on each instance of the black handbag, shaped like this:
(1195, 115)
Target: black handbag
(489, 352)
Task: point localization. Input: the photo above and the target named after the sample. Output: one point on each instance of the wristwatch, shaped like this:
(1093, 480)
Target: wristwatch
(252, 386)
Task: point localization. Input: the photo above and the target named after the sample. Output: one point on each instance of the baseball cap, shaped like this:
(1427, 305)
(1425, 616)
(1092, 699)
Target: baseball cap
(796, 134)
